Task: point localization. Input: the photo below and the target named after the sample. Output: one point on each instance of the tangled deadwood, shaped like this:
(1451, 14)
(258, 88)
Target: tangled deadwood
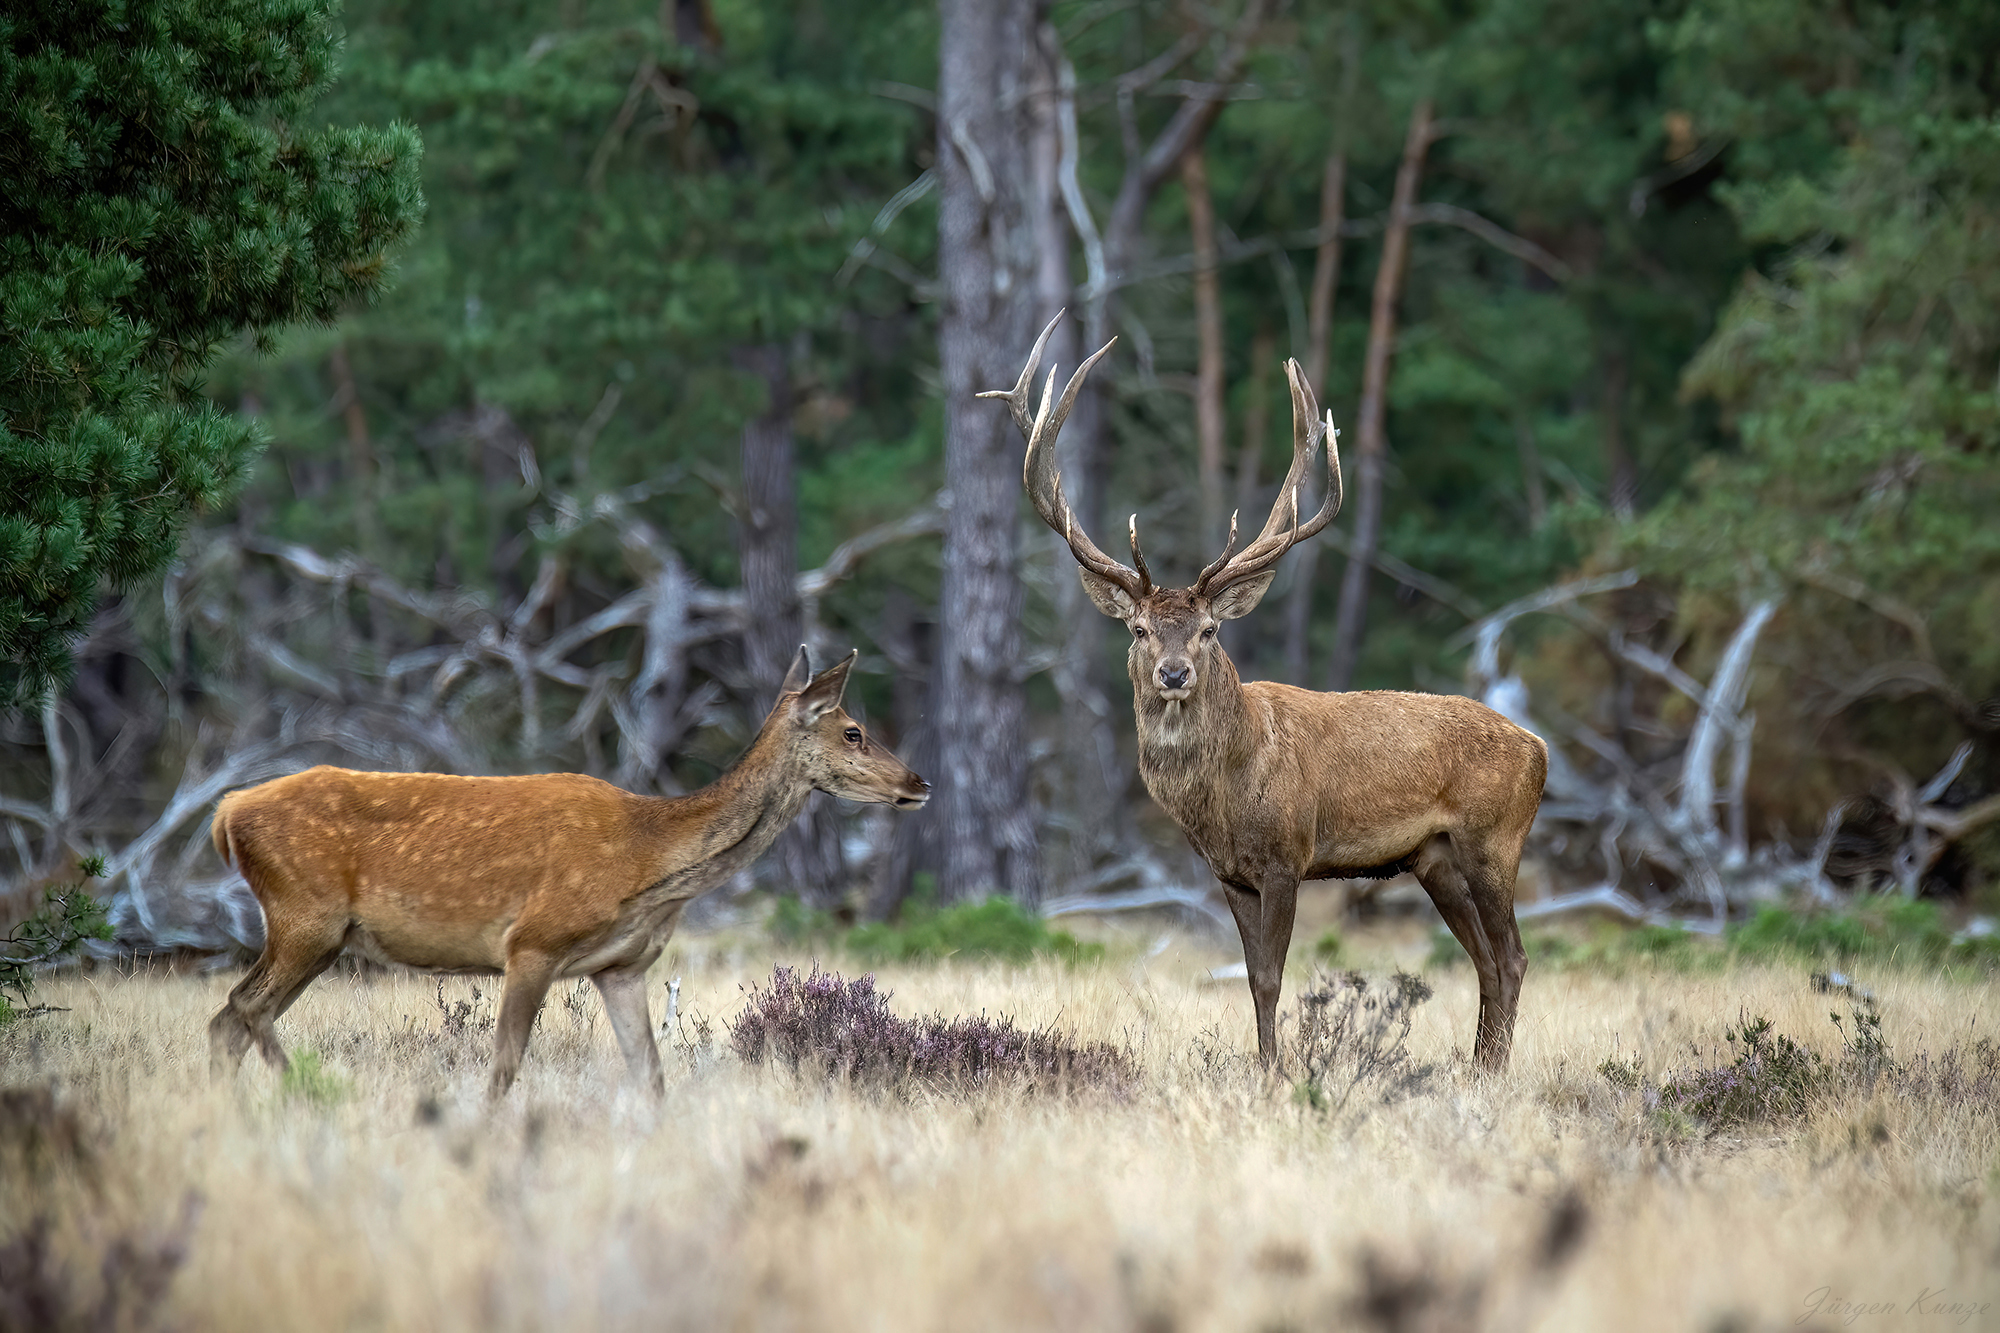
(279, 657)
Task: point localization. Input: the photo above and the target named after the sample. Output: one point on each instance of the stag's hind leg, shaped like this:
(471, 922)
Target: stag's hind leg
(1490, 878)
(1457, 897)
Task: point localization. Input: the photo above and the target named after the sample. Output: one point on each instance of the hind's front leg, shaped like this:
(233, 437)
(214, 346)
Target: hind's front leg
(624, 992)
(529, 972)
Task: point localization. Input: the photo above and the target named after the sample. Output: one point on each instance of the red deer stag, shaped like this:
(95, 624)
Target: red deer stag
(1273, 784)
(534, 878)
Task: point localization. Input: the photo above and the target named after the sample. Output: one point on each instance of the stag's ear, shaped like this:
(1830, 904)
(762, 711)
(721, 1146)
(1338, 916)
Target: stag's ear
(824, 694)
(1107, 596)
(1241, 599)
(800, 674)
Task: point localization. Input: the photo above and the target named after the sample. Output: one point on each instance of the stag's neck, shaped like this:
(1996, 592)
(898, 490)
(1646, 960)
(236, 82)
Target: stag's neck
(734, 819)
(1190, 751)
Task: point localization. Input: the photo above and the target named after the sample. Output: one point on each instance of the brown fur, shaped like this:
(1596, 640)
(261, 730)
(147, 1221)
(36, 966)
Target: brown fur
(534, 878)
(1274, 785)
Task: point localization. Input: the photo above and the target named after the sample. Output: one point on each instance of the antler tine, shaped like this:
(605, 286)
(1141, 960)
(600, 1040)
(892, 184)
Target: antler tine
(1283, 530)
(1039, 475)
(1017, 397)
(1138, 560)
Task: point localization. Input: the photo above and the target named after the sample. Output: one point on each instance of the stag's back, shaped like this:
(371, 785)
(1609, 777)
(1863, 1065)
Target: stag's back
(1400, 766)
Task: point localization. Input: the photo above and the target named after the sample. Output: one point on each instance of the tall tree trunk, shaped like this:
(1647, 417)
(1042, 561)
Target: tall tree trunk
(1087, 775)
(1621, 480)
(806, 860)
(986, 263)
(909, 640)
(1531, 471)
(1319, 342)
(1351, 620)
(360, 450)
(1208, 418)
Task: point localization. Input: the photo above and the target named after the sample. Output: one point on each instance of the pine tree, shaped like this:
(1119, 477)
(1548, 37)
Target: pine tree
(158, 203)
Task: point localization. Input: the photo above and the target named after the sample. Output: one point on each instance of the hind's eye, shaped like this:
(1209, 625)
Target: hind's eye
(853, 735)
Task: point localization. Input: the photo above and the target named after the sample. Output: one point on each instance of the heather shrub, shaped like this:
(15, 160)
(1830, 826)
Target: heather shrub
(825, 1025)
(1772, 1077)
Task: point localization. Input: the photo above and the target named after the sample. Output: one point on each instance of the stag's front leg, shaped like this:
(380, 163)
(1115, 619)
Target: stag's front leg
(1264, 920)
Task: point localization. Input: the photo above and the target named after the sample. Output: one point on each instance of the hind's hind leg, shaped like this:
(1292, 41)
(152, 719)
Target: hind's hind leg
(294, 953)
(228, 1035)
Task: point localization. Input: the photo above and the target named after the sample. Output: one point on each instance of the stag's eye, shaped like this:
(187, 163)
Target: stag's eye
(1208, 632)
(1138, 631)
(853, 735)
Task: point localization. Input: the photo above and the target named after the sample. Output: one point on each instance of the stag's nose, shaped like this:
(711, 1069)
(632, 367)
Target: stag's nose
(1175, 678)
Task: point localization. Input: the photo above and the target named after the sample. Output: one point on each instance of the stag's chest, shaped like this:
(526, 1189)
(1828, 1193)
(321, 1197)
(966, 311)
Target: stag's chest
(1224, 811)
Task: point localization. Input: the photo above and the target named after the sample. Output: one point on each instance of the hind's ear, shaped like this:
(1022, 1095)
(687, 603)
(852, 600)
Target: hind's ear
(801, 673)
(827, 688)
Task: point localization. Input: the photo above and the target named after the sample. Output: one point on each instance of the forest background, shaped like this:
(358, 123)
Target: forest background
(1690, 310)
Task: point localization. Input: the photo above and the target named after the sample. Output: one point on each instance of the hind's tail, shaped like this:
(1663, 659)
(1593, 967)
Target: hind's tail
(218, 831)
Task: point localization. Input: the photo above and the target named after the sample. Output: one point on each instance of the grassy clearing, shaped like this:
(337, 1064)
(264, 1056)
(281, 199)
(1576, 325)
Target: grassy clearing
(1388, 1187)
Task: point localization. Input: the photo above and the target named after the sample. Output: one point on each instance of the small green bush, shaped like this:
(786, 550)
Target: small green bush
(310, 1081)
(1328, 948)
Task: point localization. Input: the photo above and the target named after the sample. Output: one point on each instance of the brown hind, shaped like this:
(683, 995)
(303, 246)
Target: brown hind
(533, 878)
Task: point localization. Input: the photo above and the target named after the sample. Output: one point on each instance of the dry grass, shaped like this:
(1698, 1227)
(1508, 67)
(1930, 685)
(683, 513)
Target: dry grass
(382, 1192)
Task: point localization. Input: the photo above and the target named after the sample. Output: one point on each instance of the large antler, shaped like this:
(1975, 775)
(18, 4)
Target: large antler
(1043, 480)
(1282, 530)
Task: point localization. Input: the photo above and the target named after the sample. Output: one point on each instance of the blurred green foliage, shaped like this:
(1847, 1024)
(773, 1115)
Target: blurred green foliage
(998, 929)
(54, 931)
(161, 198)
(1877, 929)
